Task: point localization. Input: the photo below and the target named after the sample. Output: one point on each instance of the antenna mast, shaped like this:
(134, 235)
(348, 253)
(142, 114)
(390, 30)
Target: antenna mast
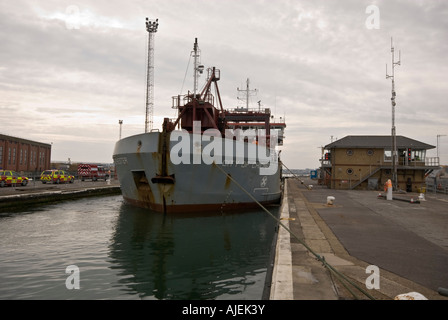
(248, 93)
(394, 137)
(198, 68)
(151, 27)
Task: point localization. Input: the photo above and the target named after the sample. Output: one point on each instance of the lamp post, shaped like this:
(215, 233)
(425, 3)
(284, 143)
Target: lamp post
(120, 122)
(438, 138)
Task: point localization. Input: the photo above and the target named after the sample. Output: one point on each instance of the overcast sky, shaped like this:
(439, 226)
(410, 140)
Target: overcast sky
(69, 70)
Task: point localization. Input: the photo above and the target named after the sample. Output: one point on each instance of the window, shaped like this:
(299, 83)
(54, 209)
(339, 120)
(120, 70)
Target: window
(349, 152)
(1, 155)
(350, 171)
(370, 152)
(388, 155)
(419, 155)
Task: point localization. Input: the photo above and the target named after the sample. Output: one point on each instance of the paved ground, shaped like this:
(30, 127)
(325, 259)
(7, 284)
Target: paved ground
(408, 242)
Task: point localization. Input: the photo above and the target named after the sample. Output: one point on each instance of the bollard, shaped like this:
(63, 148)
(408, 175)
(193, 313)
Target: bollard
(389, 190)
(410, 296)
(330, 200)
(443, 291)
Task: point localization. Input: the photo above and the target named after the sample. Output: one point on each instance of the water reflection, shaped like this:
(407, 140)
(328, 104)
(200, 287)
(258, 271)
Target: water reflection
(174, 256)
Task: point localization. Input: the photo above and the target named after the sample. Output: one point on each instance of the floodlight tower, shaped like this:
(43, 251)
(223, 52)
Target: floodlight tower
(394, 137)
(151, 27)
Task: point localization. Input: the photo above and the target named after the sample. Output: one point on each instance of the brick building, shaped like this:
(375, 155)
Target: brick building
(365, 162)
(24, 155)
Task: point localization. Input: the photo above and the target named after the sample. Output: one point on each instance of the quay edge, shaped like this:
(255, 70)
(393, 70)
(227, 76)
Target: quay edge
(15, 201)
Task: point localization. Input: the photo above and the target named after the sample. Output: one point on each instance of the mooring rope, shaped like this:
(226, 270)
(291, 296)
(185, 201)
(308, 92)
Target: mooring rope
(339, 275)
(295, 176)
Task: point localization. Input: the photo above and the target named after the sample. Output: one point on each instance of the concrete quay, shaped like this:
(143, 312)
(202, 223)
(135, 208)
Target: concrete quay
(408, 242)
(38, 193)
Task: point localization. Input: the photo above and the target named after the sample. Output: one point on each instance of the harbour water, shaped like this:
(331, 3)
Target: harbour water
(123, 252)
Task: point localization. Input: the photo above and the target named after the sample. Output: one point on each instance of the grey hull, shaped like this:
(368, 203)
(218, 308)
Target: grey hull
(189, 186)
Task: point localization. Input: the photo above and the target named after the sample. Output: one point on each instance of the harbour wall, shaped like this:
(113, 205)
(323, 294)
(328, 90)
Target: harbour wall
(16, 199)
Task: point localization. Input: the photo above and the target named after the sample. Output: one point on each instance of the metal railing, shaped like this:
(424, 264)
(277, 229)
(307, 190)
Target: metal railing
(432, 161)
(427, 162)
(437, 185)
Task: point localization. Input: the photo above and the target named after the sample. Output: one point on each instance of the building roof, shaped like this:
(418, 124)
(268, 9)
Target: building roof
(22, 140)
(377, 142)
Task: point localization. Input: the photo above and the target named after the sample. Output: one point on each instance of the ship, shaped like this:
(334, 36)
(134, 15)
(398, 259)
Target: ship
(208, 159)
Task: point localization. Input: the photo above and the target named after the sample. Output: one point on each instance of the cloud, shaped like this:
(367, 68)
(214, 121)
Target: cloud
(314, 62)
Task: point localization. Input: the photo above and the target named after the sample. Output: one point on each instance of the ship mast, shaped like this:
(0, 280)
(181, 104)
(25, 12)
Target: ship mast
(198, 68)
(393, 133)
(248, 93)
(151, 27)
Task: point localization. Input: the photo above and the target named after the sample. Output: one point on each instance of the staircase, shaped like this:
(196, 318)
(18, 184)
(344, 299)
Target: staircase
(371, 173)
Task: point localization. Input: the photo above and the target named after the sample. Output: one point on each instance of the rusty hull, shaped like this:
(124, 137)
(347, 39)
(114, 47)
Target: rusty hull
(149, 179)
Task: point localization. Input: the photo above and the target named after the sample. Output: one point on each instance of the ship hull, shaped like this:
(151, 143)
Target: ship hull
(151, 175)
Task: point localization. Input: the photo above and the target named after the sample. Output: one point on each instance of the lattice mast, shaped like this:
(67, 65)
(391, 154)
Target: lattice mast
(151, 27)
(393, 131)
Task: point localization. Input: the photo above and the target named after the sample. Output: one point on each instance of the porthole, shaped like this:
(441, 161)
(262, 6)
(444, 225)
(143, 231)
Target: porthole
(370, 152)
(349, 171)
(349, 152)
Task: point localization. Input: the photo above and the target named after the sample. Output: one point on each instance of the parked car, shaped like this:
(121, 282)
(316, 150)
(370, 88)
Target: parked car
(56, 176)
(9, 178)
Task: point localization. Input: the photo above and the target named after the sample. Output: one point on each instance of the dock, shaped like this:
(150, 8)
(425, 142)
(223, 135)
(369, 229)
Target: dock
(36, 193)
(406, 242)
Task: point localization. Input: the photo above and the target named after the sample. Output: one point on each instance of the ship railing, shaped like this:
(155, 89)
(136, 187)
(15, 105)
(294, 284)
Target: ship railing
(249, 110)
(182, 100)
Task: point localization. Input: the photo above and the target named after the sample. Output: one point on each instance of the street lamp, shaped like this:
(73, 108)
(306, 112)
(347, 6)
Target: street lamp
(438, 138)
(120, 122)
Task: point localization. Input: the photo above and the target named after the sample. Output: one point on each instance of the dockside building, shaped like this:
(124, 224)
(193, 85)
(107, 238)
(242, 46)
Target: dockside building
(24, 155)
(365, 162)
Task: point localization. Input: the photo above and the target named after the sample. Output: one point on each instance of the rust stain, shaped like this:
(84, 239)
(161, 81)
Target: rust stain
(139, 146)
(228, 181)
(144, 192)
